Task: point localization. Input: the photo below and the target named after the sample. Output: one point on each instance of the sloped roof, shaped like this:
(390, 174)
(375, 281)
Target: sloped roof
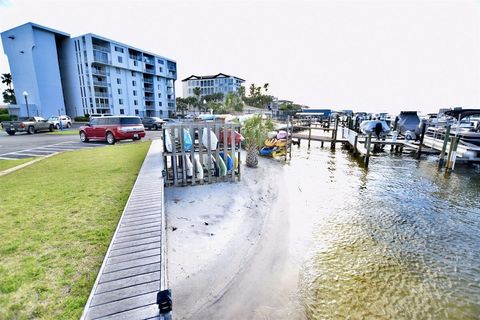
(215, 76)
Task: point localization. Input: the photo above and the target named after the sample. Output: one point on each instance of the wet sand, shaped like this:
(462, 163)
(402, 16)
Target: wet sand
(230, 248)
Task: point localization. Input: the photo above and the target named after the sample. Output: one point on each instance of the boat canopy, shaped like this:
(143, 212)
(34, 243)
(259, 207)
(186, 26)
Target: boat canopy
(462, 112)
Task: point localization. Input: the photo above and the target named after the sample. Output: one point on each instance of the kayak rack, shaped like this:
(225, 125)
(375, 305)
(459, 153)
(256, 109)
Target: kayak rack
(201, 153)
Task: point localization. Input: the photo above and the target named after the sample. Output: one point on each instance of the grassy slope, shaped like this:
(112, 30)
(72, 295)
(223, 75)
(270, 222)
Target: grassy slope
(7, 164)
(56, 228)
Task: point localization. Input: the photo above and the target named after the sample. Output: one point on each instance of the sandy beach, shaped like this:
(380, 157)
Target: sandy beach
(231, 249)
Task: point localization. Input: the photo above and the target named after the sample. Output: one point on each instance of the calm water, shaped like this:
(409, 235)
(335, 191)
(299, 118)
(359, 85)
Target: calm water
(399, 241)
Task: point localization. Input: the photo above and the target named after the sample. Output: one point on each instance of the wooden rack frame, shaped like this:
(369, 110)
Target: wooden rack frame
(175, 163)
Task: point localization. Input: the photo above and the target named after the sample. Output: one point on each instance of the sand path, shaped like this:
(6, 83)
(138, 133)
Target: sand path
(229, 248)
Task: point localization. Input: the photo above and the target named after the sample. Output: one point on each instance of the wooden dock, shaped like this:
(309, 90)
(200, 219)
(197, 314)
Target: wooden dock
(134, 267)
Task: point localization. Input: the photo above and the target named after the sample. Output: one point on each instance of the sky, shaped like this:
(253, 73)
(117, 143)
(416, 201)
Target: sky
(372, 55)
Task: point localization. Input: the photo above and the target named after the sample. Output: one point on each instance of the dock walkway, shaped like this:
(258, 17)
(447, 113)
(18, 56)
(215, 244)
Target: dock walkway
(134, 268)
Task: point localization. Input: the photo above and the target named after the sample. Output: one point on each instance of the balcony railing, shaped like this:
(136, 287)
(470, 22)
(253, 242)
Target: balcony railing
(149, 61)
(103, 106)
(100, 83)
(149, 98)
(148, 80)
(138, 58)
(100, 58)
(101, 48)
(149, 70)
(101, 94)
(100, 72)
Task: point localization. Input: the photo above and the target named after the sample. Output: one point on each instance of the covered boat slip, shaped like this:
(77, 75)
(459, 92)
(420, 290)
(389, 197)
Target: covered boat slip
(134, 268)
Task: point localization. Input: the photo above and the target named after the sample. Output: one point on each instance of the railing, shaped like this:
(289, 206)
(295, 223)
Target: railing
(138, 58)
(100, 83)
(149, 98)
(149, 61)
(100, 72)
(101, 48)
(149, 70)
(100, 58)
(103, 106)
(148, 80)
(101, 94)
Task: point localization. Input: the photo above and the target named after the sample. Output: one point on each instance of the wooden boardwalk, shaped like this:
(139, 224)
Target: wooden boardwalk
(134, 268)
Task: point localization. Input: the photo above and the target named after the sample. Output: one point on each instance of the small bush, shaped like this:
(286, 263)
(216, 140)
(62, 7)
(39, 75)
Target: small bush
(81, 119)
(3, 111)
(6, 117)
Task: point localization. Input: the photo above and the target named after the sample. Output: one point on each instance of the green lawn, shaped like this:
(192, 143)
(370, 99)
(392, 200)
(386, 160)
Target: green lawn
(57, 218)
(64, 132)
(7, 164)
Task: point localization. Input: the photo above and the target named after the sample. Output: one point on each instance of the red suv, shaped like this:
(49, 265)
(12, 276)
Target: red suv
(112, 129)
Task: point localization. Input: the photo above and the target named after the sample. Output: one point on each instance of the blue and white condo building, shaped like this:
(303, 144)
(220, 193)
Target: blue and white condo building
(88, 74)
(219, 83)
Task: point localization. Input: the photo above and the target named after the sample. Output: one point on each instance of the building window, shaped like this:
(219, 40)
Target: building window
(135, 102)
(136, 112)
(159, 95)
(160, 104)
(160, 61)
(159, 87)
(134, 92)
(118, 49)
(133, 73)
(120, 59)
(119, 91)
(118, 70)
(160, 68)
(134, 83)
(135, 63)
(158, 78)
(120, 101)
(122, 111)
(119, 81)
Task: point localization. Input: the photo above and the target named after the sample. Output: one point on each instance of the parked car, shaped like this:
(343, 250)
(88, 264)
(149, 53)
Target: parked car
(153, 123)
(29, 125)
(112, 129)
(97, 115)
(65, 120)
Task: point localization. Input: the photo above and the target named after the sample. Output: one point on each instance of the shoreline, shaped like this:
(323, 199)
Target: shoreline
(229, 248)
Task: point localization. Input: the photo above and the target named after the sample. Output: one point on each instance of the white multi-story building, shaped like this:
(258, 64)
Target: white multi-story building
(219, 83)
(87, 74)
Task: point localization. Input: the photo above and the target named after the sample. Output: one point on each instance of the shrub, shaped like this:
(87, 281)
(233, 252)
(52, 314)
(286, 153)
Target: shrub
(3, 111)
(81, 119)
(6, 117)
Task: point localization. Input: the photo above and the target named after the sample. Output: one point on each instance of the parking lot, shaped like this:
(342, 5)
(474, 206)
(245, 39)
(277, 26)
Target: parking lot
(23, 145)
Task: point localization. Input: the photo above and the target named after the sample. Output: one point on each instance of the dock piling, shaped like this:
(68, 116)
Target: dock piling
(444, 147)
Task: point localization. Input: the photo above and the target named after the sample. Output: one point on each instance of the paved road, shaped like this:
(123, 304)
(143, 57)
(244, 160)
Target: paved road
(23, 145)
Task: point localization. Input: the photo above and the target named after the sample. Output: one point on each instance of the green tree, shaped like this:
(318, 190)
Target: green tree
(241, 92)
(256, 98)
(198, 95)
(182, 105)
(191, 102)
(9, 93)
(255, 132)
(233, 102)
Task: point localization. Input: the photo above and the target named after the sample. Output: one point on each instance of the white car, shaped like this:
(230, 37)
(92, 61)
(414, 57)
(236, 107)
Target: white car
(66, 121)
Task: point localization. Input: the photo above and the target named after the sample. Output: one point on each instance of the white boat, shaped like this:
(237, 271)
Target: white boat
(379, 128)
(463, 124)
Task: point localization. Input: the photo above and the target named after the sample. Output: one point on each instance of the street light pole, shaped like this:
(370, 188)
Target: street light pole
(25, 94)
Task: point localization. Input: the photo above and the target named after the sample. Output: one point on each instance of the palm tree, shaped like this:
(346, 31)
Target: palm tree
(198, 94)
(8, 94)
(255, 132)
